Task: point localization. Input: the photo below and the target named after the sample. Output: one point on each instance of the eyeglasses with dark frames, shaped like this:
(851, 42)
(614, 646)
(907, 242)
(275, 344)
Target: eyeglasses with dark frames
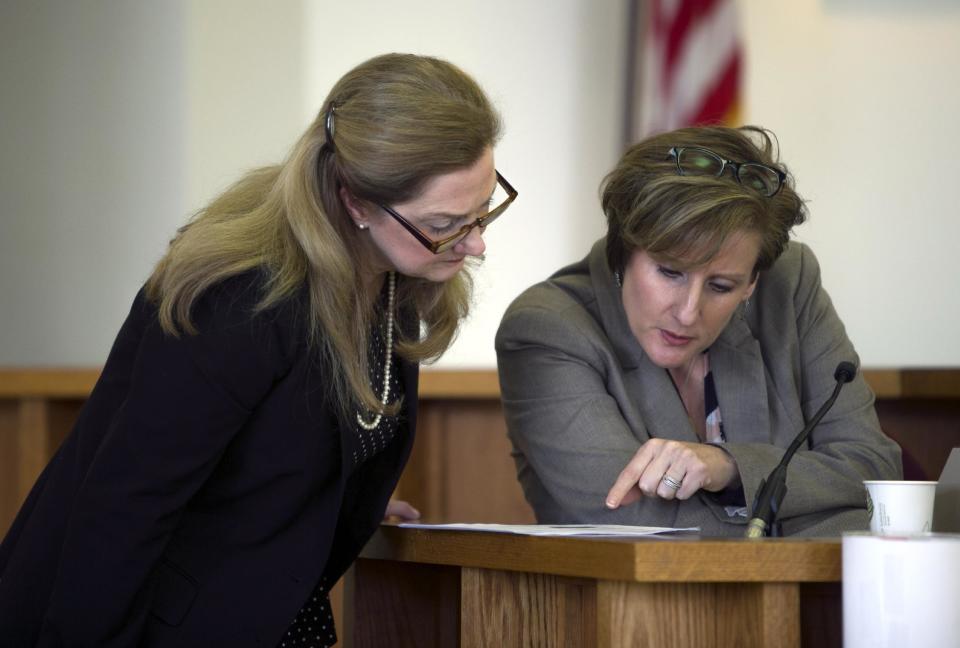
(695, 161)
(438, 247)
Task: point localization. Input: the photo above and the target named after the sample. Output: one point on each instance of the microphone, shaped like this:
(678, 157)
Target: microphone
(766, 506)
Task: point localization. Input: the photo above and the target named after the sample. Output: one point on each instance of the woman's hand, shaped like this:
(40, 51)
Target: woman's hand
(402, 510)
(673, 469)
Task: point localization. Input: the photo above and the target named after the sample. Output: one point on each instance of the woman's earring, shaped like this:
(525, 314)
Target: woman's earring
(362, 226)
(618, 279)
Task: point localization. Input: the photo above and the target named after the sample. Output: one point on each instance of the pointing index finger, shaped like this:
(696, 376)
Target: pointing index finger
(628, 477)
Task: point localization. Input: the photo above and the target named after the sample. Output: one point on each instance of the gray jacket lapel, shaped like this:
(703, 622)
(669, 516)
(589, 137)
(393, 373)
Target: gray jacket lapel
(659, 404)
(736, 362)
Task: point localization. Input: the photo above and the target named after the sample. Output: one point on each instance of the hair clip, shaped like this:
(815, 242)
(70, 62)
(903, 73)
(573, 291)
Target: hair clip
(329, 124)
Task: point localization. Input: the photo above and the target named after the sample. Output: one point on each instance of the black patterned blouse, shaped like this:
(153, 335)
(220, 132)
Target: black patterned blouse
(313, 626)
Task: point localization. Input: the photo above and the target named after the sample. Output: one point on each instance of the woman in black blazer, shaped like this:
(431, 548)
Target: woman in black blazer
(259, 402)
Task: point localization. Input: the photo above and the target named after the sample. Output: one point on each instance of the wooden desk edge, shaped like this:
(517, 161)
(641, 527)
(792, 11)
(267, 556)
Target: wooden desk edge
(34, 382)
(468, 384)
(642, 560)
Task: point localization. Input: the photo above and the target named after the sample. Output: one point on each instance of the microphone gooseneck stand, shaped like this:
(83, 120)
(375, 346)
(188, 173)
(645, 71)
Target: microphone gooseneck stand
(766, 505)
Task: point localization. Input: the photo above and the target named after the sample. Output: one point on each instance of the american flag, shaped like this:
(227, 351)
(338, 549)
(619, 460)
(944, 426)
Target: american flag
(686, 66)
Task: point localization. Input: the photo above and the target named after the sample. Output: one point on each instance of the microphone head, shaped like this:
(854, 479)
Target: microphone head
(845, 372)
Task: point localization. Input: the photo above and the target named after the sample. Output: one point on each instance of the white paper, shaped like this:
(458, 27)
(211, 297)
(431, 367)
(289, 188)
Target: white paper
(594, 530)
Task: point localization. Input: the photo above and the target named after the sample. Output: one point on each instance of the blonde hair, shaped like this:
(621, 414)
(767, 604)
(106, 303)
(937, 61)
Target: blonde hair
(400, 120)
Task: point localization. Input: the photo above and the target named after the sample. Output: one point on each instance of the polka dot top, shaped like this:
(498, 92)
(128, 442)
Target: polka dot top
(313, 626)
(368, 443)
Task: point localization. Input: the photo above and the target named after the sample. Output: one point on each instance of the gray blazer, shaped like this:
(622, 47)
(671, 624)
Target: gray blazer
(580, 397)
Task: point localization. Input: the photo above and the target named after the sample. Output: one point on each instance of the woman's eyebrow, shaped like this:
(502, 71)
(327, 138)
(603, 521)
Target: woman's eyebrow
(442, 214)
(735, 277)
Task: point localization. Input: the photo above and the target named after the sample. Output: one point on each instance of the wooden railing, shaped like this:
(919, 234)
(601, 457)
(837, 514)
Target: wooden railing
(461, 467)
(76, 383)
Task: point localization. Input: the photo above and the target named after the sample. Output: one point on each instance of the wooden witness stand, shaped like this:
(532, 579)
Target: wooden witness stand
(415, 587)
(461, 471)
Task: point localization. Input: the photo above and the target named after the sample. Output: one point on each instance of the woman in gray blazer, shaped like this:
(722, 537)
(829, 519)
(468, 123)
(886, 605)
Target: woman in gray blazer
(658, 380)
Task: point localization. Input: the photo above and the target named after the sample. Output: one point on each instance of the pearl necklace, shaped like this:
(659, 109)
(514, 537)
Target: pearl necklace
(391, 291)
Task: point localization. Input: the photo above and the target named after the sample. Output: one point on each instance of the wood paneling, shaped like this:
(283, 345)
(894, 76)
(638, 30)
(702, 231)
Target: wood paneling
(684, 559)
(31, 430)
(404, 605)
(526, 609)
(9, 462)
(461, 468)
(47, 383)
(926, 429)
(516, 591)
(537, 610)
(458, 385)
(821, 615)
(709, 615)
(468, 384)
(33, 442)
(929, 383)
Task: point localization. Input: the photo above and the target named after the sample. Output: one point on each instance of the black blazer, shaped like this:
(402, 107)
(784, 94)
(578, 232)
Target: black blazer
(202, 493)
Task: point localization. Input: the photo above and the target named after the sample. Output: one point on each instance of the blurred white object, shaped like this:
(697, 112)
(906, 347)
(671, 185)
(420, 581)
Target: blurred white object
(901, 591)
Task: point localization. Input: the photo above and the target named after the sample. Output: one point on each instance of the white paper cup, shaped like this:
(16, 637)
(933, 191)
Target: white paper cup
(900, 507)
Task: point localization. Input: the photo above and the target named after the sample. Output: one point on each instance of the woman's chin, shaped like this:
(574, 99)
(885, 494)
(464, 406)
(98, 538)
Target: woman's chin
(669, 358)
(445, 270)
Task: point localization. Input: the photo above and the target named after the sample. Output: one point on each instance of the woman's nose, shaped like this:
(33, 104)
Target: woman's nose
(472, 244)
(688, 307)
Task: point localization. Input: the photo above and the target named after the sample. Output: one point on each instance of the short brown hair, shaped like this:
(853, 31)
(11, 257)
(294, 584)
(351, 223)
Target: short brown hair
(650, 206)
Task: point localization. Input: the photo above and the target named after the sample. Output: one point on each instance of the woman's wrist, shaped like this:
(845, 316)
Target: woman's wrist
(729, 478)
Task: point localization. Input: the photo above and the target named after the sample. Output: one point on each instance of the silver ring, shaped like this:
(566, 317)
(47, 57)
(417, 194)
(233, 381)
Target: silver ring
(671, 482)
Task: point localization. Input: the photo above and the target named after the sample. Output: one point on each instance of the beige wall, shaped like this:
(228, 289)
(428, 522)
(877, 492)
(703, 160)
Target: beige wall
(554, 69)
(91, 150)
(864, 95)
(119, 119)
(244, 87)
